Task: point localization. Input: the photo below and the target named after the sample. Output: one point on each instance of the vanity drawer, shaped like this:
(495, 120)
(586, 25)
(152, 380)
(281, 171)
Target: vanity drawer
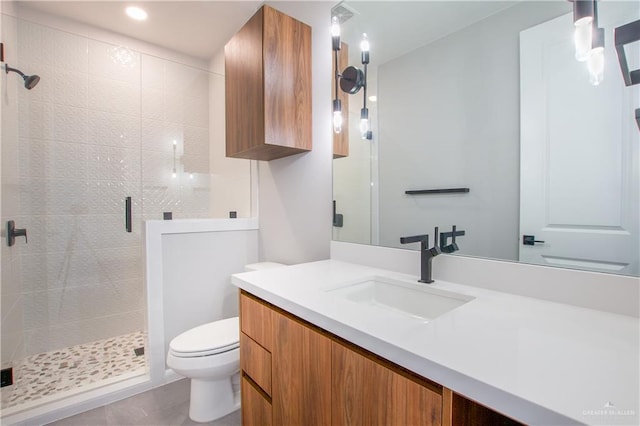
(255, 361)
(256, 408)
(255, 320)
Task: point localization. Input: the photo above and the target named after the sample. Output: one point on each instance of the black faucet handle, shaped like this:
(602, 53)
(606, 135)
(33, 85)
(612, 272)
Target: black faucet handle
(453, 247)
(436, 236)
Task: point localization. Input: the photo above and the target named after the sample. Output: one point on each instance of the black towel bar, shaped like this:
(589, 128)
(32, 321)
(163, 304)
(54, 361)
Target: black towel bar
(437, 191)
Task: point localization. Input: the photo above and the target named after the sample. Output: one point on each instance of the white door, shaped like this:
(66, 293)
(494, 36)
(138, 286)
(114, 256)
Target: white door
(580, 152)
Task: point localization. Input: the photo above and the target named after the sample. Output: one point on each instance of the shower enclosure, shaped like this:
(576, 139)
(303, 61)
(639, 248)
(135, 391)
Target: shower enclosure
(108, 138)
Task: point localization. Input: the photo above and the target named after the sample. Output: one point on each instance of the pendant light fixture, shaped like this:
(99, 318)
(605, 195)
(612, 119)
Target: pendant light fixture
(350, 81)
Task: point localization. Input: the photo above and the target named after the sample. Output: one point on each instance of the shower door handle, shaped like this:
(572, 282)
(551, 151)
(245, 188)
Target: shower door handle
(13, 232)
(127, 214)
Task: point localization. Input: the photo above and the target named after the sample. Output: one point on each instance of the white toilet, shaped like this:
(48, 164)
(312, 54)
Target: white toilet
(209, 355)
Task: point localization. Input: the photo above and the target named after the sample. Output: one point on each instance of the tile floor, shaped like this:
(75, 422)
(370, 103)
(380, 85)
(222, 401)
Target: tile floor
(164, 406)
(48, 373)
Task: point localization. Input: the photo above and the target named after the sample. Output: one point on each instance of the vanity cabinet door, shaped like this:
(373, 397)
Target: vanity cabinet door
(367, 392)
(301, 378)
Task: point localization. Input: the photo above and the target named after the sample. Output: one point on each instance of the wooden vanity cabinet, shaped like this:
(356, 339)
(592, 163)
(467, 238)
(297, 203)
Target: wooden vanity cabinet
(294, 373)
(268, 87)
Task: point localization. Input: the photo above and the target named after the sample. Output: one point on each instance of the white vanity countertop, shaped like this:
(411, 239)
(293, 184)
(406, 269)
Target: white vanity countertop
(536, 361)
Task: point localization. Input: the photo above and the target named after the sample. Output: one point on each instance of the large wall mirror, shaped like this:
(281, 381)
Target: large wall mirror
(489, 96)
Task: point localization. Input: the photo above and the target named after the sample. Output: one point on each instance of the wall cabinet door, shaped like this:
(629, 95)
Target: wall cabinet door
(301, 374)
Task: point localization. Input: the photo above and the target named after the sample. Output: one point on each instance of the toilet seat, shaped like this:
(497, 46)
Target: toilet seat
(208, 339)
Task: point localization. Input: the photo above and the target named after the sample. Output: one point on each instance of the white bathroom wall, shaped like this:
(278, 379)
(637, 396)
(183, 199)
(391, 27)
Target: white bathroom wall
(295, 192)
(449, 118)
(196, 270)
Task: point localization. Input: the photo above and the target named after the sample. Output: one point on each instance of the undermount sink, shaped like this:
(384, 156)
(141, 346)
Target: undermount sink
(414, 300)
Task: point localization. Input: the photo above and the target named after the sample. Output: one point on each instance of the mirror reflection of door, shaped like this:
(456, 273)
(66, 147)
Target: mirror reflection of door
(579, 153)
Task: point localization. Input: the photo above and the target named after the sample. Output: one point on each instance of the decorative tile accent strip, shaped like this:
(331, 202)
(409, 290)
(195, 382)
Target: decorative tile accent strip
(57, 371)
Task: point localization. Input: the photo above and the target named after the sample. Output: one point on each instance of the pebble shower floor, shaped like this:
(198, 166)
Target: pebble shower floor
(49, 373)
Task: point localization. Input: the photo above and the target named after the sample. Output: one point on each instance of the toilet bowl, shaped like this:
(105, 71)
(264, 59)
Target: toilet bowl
(209, 355)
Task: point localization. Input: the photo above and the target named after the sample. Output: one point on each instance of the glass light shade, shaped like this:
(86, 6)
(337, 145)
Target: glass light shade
(364, 44)
(335, 27)
(595, 64)
(364, 49)
(364, 122)
(364, 127)
(582, 38)
(337, 121)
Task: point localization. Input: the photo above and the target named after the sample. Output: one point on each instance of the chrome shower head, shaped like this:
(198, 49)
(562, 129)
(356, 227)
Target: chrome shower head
(30, 81)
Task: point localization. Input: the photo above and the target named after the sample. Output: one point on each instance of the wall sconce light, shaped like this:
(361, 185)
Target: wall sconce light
(337, 104)
(583, 17)
(595, 63)
(588, 38)
(350, 81)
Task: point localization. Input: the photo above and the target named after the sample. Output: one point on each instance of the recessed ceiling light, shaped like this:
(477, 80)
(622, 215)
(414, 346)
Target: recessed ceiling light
(136, 13)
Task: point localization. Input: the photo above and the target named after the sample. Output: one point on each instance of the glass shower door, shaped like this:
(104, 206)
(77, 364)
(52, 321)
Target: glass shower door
(73, 307)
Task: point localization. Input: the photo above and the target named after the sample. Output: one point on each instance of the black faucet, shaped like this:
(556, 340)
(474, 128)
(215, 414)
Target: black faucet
(426, 253)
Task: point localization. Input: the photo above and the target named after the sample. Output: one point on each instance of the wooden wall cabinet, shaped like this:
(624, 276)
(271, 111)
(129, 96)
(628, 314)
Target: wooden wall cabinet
(310, 377)
(268, 88)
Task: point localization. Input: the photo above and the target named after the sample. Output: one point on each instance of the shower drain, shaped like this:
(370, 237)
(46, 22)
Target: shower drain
(139, 351)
